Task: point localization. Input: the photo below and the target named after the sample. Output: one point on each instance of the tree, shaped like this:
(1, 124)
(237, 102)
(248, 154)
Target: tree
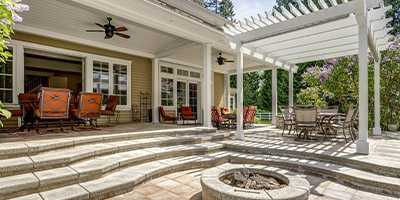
(225, 8)
(395, 14)
(8, 16)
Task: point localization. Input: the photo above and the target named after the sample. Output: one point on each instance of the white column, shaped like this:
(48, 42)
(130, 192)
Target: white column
(156, 90)
(291, 86)
(227, 91)
(362, 143)
(207, 75)
(274, 95)
(239, 87)
(377, 97)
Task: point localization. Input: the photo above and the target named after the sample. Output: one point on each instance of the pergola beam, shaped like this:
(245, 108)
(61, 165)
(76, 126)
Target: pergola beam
(303, 21)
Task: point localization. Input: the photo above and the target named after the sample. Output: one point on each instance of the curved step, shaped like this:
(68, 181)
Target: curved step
(126, 179)
(16, 149)
(63, 157)
(13, 186)
(254, 147)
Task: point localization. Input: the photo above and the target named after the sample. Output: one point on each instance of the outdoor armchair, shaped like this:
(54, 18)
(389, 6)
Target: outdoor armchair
(187, 114)
(89, 108)
(345, 122)
(111, 108)
(288, 118)
(165, 117)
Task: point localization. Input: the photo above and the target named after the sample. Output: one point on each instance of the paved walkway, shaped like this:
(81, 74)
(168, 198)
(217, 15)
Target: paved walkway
(186, 186)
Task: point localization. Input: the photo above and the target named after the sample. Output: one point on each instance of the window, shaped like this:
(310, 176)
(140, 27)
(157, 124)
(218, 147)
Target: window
(6, 80)
(167, 70)
(167, 92)
(101, 79)
(182, 72)
(195, 74)
(120, 81)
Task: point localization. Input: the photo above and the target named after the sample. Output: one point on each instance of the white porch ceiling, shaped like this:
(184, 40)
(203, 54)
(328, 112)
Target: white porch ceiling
(72, 20)
(312, 32)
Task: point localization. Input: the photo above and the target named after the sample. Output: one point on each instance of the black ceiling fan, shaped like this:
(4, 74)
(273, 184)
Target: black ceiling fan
(110, 30)
(221, 60)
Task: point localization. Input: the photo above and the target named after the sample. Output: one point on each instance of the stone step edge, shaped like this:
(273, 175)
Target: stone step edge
(97, 189)
(358, 164)
(33, 163)
(16, 149)
(61, 177)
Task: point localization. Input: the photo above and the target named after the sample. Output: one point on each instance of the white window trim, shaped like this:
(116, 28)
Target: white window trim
(19, 64)
(111, 62)
(175, 77)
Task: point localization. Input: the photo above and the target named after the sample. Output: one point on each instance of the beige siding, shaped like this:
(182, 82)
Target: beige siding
(141, 67)
(219, 89)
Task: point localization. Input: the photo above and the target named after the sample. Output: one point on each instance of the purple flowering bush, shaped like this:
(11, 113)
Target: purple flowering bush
(9, 10)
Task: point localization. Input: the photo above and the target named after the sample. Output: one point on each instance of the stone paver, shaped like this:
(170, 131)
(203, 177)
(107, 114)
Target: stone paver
(155, 189)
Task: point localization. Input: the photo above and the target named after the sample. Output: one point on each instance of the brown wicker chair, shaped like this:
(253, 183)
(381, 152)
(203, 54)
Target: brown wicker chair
(53, 106)
(165, 117)
(111, 108)
(89, 108)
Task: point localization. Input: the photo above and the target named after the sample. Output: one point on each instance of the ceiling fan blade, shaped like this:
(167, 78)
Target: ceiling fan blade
(123, 35)
(94, 30)
(99, 25)
(121, 29)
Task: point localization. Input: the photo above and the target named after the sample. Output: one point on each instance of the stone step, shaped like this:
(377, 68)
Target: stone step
(255, 146)
(66, 156)
(125, 179)
(87, 170)
(24, 148)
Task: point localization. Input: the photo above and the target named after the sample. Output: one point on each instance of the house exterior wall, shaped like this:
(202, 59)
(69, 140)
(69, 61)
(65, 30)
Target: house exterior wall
(141, 68)
(219, 89)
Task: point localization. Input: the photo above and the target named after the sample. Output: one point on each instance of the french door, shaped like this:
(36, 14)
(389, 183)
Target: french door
(194, 97)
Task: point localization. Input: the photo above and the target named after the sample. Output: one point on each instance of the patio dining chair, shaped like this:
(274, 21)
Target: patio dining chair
(305, 120)
(217, 119)
(345, 122)
(53, 106)
(249, 116)
(89, 108)
(288, 119)
(325, 116)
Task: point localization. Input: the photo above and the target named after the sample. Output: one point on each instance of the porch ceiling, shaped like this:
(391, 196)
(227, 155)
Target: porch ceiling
(55, 18)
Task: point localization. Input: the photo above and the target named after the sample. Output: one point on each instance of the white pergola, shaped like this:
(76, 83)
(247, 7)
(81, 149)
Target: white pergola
(316, 32)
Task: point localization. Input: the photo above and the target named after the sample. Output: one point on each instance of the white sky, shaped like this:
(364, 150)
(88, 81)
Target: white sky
(247, 8)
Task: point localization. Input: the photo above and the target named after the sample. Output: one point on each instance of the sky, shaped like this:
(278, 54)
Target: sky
(247, 8)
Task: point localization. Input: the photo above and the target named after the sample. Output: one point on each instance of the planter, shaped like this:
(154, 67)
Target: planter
(393, 127)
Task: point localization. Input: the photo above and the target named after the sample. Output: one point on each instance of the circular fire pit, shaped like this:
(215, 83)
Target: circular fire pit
(237, 182)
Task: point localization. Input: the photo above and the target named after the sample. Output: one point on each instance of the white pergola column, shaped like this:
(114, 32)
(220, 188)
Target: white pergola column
(239, 93)
(227, 88)
(156, 90)
(274, 95)
(207, 90)
(362, 17)
(291, 86)
(377, 97)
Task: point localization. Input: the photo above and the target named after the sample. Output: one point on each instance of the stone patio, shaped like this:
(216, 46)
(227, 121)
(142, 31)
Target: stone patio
(165, 162)
(186, 186)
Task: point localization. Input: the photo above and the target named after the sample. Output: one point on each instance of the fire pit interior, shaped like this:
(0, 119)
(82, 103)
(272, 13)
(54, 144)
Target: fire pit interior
(252, 179)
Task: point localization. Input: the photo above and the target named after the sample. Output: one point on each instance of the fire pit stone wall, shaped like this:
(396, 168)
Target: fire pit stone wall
(214, 189)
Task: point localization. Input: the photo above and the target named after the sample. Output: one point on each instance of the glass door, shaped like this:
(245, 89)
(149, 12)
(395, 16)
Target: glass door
(181, 92)
(194, 97)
